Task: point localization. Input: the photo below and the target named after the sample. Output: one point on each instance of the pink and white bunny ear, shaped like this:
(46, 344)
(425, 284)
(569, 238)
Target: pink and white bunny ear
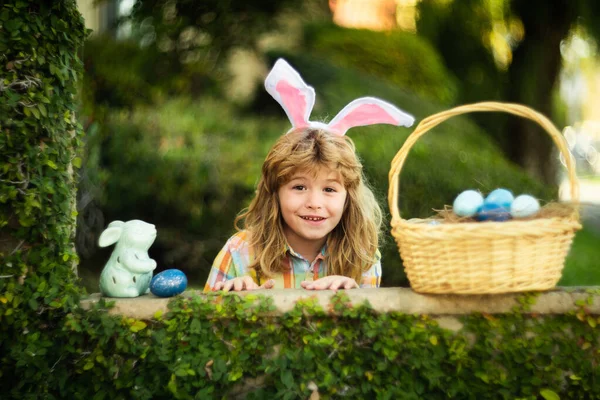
(286, 86)
(368, 111)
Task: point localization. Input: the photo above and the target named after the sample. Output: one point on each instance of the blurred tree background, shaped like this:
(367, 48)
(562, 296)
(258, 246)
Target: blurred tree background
(178, 124)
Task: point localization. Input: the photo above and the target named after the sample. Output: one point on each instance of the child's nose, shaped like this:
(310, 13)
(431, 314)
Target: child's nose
(314, 200)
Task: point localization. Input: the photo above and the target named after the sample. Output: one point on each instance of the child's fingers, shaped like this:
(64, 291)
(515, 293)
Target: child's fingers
(219, 285)
(306, 285)
(350, 284)
(238, 284)
(267, 285)
(320, 284)
(228, 285)
(335, 285)
(248, 283)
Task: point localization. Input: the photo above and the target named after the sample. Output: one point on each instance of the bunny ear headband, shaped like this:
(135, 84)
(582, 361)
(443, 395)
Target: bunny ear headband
(286, 86)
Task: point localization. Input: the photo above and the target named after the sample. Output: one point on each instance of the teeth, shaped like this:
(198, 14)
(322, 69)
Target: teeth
(313, 218)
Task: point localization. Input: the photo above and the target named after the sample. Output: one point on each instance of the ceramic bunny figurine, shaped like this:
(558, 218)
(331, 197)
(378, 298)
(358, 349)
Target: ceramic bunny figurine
(129, 270)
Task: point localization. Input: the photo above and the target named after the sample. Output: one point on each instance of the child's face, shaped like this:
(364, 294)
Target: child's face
(311, 207)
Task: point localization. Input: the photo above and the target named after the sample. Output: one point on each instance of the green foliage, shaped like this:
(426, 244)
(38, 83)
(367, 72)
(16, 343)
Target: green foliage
(216, 345)
(208, 29)
(406, 60)
(39, 146)
(119, 74)
(582, 261)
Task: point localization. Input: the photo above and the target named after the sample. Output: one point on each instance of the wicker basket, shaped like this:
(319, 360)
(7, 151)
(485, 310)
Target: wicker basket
(483, 257)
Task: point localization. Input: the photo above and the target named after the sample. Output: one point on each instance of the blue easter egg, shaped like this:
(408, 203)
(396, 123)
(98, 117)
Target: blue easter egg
(493, 212)
(467, 203)
(524, 206)
(168, 283)
(500, 197)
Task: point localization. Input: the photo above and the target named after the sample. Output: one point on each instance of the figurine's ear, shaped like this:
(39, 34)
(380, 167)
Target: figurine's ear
(286, 86)
(111, 234)
(368, 111)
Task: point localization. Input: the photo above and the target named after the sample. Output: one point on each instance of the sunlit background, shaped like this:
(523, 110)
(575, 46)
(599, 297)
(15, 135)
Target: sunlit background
(178, 124)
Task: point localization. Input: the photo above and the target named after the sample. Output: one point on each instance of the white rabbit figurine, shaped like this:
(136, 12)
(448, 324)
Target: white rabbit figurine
(129, 270)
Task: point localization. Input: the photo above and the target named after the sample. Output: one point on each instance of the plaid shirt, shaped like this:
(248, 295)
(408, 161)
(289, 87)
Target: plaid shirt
(236, 256)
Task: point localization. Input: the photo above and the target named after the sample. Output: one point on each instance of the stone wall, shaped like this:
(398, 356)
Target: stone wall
(403, 300)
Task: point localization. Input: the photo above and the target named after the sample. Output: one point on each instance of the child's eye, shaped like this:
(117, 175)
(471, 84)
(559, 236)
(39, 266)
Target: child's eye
(330, 190)
(298, 187)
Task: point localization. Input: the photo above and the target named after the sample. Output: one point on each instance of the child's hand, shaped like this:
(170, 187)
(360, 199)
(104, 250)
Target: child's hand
(333, 282)
(243, 283)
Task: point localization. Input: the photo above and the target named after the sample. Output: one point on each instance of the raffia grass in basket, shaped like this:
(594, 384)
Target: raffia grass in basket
(466, 257)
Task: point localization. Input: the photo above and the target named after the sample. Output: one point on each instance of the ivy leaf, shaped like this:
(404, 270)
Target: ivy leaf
(89, 365)
(35, 112)
(591, 321)
(287, 378)
(43, 110)
(137, 326)
(549, 394)
(33, 304)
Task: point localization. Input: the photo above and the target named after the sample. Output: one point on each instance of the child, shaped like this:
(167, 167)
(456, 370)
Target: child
(313, 223)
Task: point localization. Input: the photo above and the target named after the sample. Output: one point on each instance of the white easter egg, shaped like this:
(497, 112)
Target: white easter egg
(524, 206)
(468, 203)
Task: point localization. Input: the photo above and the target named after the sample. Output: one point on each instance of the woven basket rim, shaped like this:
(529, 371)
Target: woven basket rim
(432, 121)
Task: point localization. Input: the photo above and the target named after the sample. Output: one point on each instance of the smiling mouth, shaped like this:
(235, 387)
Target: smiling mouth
(313, 218)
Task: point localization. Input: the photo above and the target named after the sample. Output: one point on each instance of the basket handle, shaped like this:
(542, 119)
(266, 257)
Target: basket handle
(436, 119)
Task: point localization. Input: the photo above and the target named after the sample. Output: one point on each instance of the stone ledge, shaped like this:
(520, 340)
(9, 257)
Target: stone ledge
(403, 300)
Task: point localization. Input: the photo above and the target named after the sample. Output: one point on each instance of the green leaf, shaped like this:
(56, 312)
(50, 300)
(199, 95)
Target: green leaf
(137, 326)
(591, 321)
(33, 304)
(51, 164)
(549, 394)
(287, 378)
(35, 112)
(77, 162)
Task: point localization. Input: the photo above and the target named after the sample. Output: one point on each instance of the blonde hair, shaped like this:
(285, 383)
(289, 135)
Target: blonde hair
(352, 245)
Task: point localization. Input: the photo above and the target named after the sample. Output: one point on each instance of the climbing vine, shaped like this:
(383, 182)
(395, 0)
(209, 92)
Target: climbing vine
(214, 346)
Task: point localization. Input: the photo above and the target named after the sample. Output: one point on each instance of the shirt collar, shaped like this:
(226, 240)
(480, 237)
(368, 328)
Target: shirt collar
(322, 254)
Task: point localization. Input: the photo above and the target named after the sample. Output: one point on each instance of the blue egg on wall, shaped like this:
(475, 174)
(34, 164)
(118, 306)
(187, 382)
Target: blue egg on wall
(168, 283)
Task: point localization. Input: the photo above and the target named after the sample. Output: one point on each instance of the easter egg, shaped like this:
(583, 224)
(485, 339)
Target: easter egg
(168, 283)
(493, 212)
(524, 206)
(467, 203)
(500, 197)
(496, 206)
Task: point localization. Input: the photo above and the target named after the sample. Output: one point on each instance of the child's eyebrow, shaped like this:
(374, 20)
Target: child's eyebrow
(298, 177)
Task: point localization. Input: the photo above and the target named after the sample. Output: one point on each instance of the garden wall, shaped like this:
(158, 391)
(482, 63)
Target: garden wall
(366, 343)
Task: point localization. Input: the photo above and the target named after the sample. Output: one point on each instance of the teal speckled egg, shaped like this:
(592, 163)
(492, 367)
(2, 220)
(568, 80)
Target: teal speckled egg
(168, 283)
